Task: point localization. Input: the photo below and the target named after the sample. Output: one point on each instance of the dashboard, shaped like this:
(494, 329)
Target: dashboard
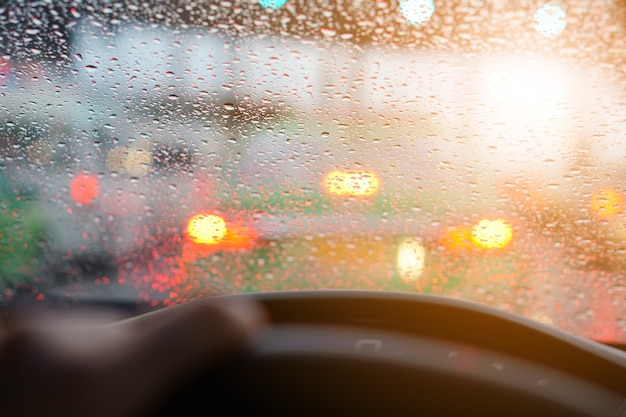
(371, 353)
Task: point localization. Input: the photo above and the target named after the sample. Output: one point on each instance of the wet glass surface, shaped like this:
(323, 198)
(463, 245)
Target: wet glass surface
(473, 149)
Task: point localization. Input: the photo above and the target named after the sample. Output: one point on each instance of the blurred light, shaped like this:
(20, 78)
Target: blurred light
(274, 4)
(39, 152)
(492, 234)
(550, 20)
(607, 203)
(5, 69)
(353, 183)
(239, 237)
(457, 238)
(410, 259)
(334, 182)
(417, 11)
(116, 158)
(84, 188)
(361, 183)
(206, 228)
(137, 161)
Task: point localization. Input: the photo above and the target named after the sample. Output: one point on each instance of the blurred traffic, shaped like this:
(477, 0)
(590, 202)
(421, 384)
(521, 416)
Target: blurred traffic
(172, 160)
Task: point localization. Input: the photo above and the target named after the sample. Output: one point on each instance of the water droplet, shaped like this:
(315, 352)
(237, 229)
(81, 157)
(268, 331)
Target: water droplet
(328, 32)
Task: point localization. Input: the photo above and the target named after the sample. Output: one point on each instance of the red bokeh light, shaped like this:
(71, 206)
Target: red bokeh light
(84, 189)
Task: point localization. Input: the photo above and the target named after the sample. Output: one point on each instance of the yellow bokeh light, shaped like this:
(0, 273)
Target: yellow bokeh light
(208, 229)
(491, 234)
(410, 259)
(357, 183)
(607, 203)
(334, 182)
(361, 183)
(138, 161)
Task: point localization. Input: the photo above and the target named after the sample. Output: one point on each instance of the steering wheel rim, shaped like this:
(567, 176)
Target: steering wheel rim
(351, 352)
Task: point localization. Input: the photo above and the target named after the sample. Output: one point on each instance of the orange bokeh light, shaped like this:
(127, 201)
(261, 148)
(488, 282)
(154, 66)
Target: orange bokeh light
(607, 202)
(457, 237)
(84, 188)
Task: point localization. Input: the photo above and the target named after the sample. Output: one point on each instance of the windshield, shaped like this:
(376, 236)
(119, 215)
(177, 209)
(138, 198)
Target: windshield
(159, 152)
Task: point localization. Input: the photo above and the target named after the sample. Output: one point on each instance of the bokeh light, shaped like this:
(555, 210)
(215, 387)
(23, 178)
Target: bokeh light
(138, 161)
(410, 259)
(115, 159)
(456, 238)
(361, 183)
(239, 236)
(334, 182)
(550, 20)
(356, 183)
(607, 202)
(274, 4)
(207, 229)
(39, 152)
(417, 11)
(492, 234)
(84, 189)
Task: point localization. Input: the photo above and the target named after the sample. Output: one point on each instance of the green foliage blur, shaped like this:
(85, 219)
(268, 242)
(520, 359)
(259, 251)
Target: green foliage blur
(22, 239)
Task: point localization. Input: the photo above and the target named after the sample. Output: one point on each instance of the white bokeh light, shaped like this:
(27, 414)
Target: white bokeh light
(417, 11)
(550, 20)
(410, 259)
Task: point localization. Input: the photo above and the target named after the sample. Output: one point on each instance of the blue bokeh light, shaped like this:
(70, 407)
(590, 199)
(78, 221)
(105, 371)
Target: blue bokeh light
(274, 4)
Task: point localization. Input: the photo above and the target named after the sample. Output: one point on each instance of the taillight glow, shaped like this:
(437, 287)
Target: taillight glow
(84, 189)
(206, 228)
(492, 234)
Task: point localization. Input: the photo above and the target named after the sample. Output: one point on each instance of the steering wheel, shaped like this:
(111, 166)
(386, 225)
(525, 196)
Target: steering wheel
(378, 353)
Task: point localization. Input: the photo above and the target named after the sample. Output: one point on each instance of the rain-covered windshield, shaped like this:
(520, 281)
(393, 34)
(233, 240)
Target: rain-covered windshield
(162, 151)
